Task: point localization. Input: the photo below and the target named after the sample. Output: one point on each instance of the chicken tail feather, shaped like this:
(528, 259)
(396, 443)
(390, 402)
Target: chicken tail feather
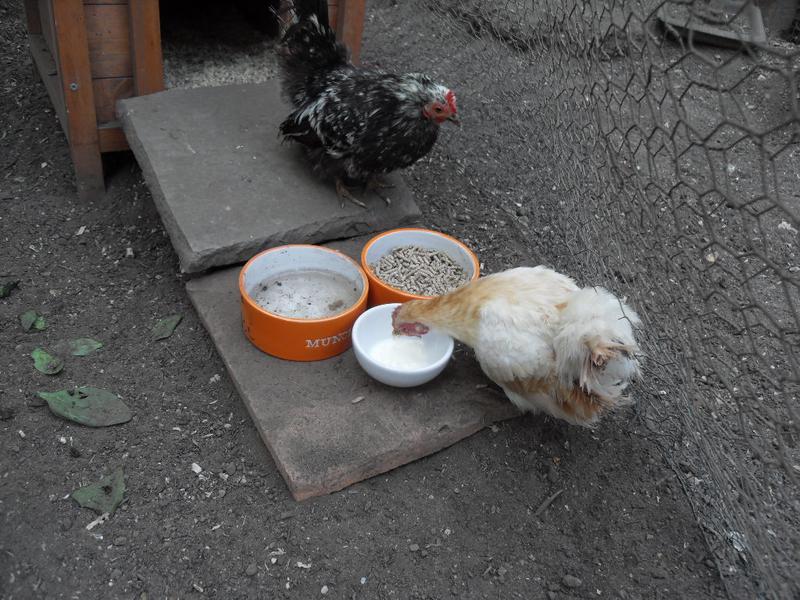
(308, 46)
(305, 9)
(595, 348)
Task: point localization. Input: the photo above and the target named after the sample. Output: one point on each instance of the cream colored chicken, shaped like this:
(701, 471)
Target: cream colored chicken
(550, 345)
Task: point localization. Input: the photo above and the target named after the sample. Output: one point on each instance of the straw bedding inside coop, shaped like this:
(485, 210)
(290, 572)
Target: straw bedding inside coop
(207, 43)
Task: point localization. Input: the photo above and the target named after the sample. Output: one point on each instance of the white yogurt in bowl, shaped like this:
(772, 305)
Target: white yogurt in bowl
(399, 361)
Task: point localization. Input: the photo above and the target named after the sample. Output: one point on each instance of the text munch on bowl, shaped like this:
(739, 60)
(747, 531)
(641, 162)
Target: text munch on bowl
(421, 271)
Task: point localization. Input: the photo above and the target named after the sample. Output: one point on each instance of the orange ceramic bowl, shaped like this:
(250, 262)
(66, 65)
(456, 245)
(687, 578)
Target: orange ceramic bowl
(382, 244)
(299, 302)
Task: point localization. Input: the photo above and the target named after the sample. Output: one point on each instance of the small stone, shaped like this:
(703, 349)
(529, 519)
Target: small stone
(74, 452)
(116, 574)
(571, 581)
(414, 547)
(324, 590)
(251, 569)
(659, 573)
(230, 468)
(120, 540)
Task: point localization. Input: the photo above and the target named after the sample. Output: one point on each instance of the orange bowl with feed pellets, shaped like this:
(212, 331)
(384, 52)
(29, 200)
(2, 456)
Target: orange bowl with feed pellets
(382, 244)
(299, 302)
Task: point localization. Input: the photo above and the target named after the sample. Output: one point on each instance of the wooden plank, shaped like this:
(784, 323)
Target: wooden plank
(350, 25)
(333, 12)
(106, 93)
(72, 59)
(145, 36)
(108, 35)
(112, 138)
(46, 16)
(32, 16)
(46, 67)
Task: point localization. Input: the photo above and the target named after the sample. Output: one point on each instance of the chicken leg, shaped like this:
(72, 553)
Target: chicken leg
(344, 194)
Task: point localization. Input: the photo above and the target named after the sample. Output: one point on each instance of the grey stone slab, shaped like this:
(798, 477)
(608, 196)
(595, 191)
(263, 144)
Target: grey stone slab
(717, 23)
(321, 441)
(226, 187)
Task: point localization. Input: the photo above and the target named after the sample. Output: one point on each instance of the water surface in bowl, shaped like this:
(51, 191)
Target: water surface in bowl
(306, 294)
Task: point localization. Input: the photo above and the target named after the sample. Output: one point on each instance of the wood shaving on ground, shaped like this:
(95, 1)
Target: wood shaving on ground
(216, 45)
(215, 65)
(421, 271)
(98, 521)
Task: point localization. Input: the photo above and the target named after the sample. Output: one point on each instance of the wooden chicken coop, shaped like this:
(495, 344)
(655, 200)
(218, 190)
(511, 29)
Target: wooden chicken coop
(91, 53)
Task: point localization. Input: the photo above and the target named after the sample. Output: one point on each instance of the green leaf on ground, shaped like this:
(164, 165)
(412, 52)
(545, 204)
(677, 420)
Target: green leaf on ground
(7, 287)
(89, 406)
(30, 319)
(164, 328)
(84, 346)
(46, 363)
(105, 496)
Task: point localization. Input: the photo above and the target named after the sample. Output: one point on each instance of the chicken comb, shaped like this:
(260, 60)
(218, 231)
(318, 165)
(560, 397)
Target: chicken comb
(451, 100)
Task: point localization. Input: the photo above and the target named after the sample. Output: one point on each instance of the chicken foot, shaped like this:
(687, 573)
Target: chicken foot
(374, 184)
(344, 194)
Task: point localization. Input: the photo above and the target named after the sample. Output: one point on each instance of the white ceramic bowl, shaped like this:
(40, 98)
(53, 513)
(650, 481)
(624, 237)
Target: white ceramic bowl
(375, 325)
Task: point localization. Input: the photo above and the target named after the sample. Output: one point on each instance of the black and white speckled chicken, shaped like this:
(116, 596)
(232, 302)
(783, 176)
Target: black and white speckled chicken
(355, 123)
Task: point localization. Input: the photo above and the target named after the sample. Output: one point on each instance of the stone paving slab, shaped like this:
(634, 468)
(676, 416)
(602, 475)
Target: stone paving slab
(227, 187)
(321, 441)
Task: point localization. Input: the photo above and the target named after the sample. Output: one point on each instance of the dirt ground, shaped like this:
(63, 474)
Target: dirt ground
(464, 523)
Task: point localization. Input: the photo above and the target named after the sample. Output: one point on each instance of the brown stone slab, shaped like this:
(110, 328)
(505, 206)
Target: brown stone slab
(321, 441)
(226, 186)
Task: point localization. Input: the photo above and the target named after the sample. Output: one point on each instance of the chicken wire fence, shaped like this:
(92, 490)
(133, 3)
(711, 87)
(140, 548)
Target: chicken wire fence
(665, 170)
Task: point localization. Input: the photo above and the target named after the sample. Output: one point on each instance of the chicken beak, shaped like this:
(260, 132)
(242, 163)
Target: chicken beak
(454, 119)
